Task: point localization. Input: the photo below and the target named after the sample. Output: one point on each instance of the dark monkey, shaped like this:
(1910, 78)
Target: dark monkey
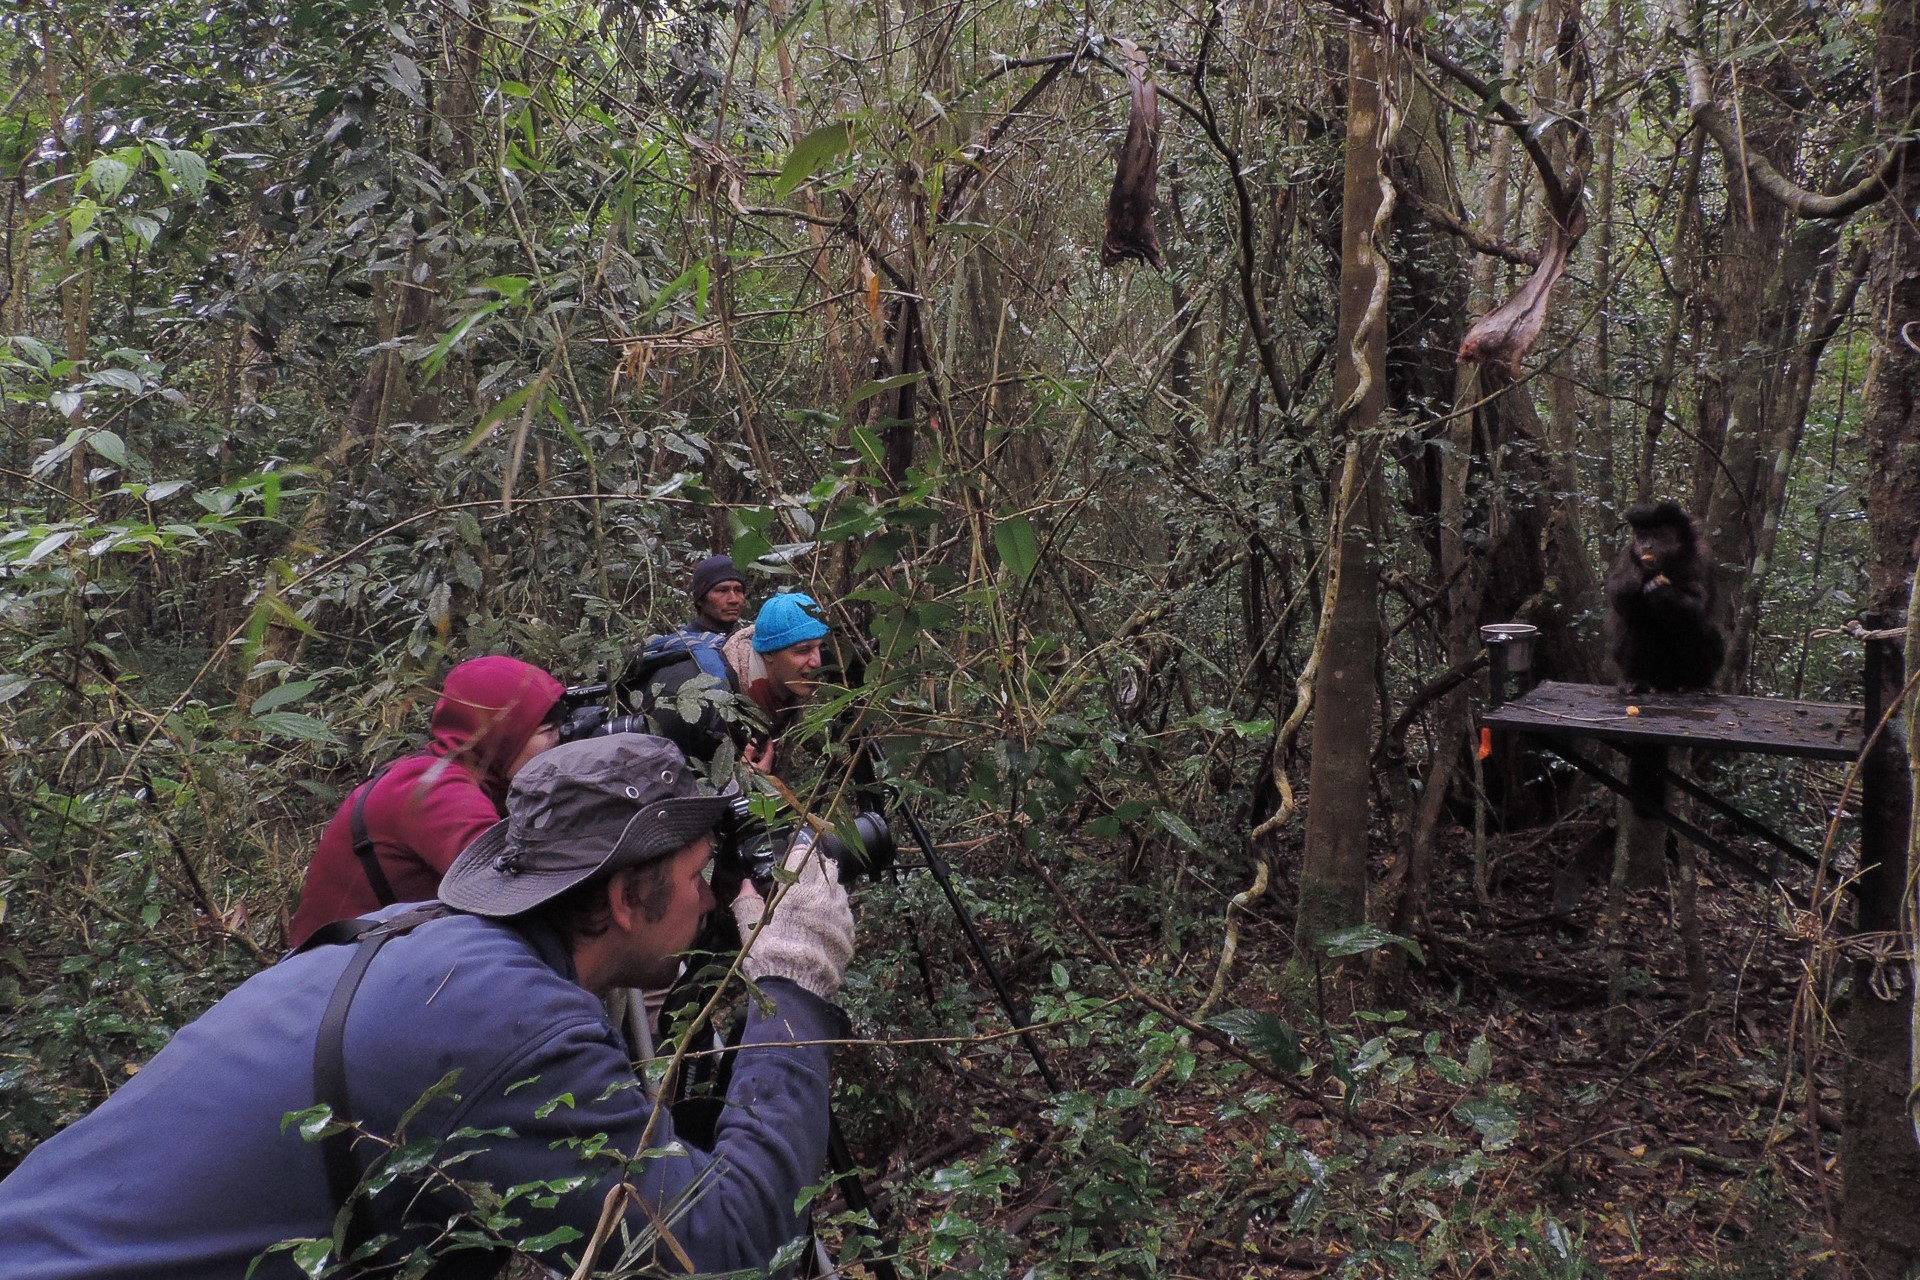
(1660, 593)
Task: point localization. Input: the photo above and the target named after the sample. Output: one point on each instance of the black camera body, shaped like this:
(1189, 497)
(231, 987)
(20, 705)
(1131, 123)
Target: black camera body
(584, 713)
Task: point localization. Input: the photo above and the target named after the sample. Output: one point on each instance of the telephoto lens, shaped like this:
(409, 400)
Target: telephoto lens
(869, 852)
(598, 722)
(746, 846)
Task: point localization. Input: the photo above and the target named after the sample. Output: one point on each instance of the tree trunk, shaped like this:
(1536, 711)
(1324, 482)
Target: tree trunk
(1766, 280)
(1879, 1160)
(1333, 873)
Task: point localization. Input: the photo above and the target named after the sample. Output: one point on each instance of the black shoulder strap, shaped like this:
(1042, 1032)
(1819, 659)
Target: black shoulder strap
(330, 1059)
(363, 843)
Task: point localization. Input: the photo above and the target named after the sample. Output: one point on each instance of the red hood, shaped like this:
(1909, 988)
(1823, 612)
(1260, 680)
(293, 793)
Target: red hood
(488, 709)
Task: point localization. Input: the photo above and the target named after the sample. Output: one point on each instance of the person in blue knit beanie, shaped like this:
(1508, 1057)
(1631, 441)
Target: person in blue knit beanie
(777, 659)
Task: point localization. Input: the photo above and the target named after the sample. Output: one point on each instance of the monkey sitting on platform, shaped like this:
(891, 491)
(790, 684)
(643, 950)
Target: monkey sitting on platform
(1660, 598)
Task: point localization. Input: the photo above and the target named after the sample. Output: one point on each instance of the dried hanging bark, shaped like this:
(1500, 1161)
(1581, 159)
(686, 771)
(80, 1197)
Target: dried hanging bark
(1501, 338)
(1130, 232)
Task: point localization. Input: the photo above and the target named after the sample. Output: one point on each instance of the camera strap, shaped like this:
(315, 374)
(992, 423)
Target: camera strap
(363, 841)
(330, 1059)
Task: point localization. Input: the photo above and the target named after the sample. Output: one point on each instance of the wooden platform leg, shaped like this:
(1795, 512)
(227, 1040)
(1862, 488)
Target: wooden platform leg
(1643, 831)
(1639, 862)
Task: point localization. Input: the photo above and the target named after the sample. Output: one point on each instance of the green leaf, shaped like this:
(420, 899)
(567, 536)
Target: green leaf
(109, 175)
(865, 440)
(189, 168)
(552, 1239)
(146, 228)
(109, 446)
(1262, 1033)
(883, 550)
(1174, 825)
(810, 155)
(36, 350)
(123, 379)
(45, 547)
(1019, 549)
(750, 546)
(1497, 1123)
(694, 276)
(509, 287)
(403, 73)
(438, 356)
(1479, 1058)
(312, 1256)
(281, 695)
(297, 725)
(361, 201)
(60, 452)
(12, 686)
(500, 412)
(792, 24)
(1366, 937)
(874, 388)
(312, 1123)
(162, 490)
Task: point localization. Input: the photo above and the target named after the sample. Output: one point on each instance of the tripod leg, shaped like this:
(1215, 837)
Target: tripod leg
(854, 1192)
(943, 875)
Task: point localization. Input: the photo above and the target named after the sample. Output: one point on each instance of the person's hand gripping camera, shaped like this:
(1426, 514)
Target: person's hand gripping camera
(808, 937)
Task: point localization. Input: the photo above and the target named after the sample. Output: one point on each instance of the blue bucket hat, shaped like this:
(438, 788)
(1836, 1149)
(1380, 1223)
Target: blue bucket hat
(787, 620)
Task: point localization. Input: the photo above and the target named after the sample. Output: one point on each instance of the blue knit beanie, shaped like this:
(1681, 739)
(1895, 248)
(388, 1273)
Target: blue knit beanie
(787, 620)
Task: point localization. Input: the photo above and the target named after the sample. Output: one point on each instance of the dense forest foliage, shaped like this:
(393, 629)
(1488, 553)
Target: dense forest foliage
(1112, 375)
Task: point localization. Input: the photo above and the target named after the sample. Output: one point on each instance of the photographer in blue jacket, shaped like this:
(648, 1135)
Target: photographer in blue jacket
(466, 1045)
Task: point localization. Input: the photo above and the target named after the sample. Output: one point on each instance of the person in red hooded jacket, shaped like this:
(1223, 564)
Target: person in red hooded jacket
(416, 815)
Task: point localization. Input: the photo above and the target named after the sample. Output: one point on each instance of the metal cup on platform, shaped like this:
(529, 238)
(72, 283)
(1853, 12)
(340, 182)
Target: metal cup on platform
(1509, 658)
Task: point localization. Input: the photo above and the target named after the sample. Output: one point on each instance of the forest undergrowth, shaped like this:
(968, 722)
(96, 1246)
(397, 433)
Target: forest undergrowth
(1494, 1131)
(1442, 1105)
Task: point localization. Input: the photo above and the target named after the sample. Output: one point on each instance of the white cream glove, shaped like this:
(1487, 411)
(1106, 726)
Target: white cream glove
(809, 937)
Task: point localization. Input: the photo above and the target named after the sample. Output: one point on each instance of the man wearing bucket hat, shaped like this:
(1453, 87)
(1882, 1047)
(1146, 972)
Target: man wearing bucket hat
(466, 1045)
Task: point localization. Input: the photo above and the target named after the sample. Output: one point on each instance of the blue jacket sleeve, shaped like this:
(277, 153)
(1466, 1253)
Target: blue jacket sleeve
(577, 1113)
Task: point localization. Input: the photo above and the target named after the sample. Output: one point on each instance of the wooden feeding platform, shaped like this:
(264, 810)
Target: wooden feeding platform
(1642, 726)
(1769, 726)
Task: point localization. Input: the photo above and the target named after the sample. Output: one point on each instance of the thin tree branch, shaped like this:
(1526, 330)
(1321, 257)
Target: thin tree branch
(1478, 241)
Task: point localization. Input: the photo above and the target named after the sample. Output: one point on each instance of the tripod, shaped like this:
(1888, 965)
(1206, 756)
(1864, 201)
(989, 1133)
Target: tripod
(721, 941)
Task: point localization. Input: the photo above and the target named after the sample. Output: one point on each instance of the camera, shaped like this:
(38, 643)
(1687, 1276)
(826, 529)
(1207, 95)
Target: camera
(583, 714)
(746, 846)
